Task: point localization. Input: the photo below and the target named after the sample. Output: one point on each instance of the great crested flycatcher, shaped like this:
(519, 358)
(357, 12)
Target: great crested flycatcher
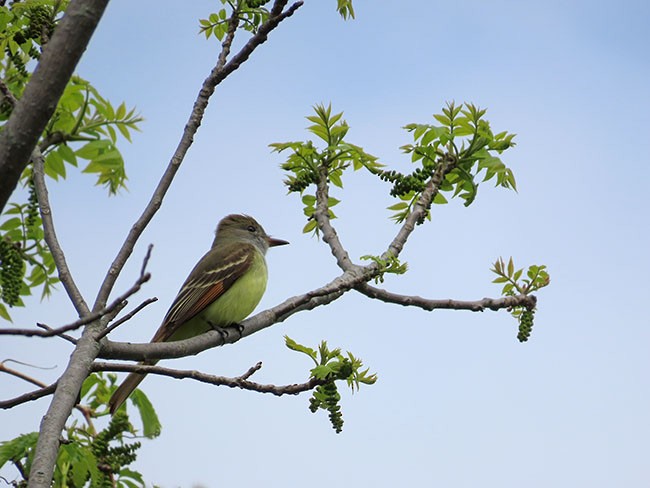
(224, 287)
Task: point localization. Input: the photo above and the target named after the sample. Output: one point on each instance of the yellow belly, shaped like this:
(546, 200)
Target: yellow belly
(233, 306)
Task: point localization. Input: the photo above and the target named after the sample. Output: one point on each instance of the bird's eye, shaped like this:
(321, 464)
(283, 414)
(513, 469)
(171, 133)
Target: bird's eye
(250, 228)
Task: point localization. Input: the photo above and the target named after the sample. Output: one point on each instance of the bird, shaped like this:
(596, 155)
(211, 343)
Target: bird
(224, 287)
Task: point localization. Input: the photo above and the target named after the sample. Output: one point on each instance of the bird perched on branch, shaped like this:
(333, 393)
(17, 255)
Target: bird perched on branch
(224, 287)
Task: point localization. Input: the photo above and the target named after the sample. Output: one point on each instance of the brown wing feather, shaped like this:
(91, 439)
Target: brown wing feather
(209, 279)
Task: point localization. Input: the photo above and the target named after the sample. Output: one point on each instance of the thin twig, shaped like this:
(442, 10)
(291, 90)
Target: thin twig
(50, 332)
(50, 236)
(28, 397)
(251, 371)
(66, 337)
(19, 374)
(128, 316)
(238, 382)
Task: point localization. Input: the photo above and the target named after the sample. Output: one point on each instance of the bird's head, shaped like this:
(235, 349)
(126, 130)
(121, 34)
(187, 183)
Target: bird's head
(245, 229)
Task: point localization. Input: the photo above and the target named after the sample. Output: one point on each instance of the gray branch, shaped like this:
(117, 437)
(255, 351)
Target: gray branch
(239, 382)
(448, 304)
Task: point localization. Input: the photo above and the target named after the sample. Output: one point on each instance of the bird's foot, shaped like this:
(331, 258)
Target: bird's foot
(223, 332)
(240, 329)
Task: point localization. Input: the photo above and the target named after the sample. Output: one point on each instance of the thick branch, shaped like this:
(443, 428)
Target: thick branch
(239, 382)
(31, 113)
(262, 320)
(449, 304)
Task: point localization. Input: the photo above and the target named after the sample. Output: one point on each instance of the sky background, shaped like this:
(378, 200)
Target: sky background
(459, 401)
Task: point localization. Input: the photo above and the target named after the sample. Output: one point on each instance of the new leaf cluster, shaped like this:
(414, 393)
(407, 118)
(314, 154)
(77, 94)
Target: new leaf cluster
(307, 163)
(465, 144)
(536, 278)
(332, 366)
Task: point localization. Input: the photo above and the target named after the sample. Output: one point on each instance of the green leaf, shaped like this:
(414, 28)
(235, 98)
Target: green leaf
(309, 226)
(398, 206)
(443, 119)
(93, 149)
(151, 426)
(54, 162)
(309, 200)
(17, 448)
(335, 178)
(5, 315)
(121, 111)
(67, 154)
(12, 223)
(294, 346)
(439, 199)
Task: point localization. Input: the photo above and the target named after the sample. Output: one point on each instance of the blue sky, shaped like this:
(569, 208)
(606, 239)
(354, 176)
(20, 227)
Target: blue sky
(459, 402)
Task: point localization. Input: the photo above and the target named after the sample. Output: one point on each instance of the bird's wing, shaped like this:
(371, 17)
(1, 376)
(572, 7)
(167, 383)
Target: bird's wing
(209, 279)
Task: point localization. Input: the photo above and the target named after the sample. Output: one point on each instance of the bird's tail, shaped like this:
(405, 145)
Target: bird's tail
(124, 390)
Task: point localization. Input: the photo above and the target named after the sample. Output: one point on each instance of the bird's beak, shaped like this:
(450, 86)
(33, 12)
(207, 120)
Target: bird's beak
(276, 242)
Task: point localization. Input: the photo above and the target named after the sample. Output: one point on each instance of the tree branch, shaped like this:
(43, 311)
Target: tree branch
(252, 325)
(322, 216)
(50, 237)
(449, 304)
(445, 165)
(19, 374)
(38, 102)
(28, 397)
(126, 318)
(241, 382)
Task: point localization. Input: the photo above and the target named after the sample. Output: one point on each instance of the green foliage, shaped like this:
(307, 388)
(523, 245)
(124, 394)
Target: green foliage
(87, 457)
(306, 162)
(463, 148)
(465, 143)
(25, 27)
(536, 278)
(89, 122)
(85, 126)
(331, 366)
(250, 15)
(25, 260)
(344, 7)
(387, 264)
